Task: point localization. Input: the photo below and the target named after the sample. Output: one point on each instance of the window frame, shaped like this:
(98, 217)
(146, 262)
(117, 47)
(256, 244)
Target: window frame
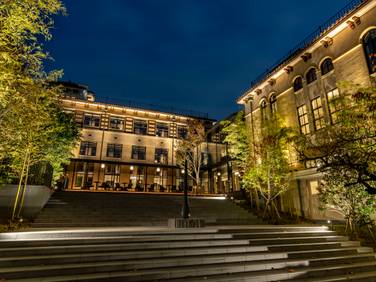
(273, 104)
(161, 155)
(179, 130)
(162, 132)
(92, 122)
(263, 107)
(311, 75)
(116, 127)
(297, 86)
(369, 46)
(318, 114)
(333, 108)
(143, 130)
(326, 66)
(116, 150)
(138, 152)
(303, 119)
(89, 148)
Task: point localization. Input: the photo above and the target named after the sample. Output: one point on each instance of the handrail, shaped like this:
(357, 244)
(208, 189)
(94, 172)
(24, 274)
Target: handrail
(309, 40)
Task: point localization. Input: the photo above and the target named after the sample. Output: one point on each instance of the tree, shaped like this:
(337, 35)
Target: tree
(345, 152)
(349, 145)
(189, 149)
(268, 170)
(238, 139)
(34, 128)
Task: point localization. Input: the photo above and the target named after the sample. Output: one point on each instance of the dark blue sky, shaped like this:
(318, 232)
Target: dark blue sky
(194, 54)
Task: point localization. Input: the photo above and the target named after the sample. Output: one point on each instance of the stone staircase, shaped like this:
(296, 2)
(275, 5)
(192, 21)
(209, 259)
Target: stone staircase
(93, 209)
(231, 253)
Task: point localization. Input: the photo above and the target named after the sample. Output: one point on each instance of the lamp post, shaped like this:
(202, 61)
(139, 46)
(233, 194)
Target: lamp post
(185, 211)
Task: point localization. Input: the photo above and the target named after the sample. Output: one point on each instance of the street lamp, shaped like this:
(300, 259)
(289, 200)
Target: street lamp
(185, 211)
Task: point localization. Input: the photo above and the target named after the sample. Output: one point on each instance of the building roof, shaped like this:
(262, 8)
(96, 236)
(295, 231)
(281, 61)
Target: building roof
(307, 42)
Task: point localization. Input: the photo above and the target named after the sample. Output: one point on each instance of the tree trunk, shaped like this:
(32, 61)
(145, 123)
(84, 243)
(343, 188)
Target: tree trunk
(24, 188)
(19, 188)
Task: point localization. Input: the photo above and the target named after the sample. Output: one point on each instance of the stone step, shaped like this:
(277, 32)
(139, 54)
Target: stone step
(122, 246)
(369, 276)
(249, 252)
(282, 234)
(118, 239)
(254, 271)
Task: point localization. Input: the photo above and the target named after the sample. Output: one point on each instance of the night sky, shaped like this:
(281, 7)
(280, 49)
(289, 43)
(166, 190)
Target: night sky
(192, 54)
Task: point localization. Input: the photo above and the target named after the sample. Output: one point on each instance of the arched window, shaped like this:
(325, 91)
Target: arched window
(263, 106)
(326, 66)
(369, 43)
(273, 104)
(298, 83)
(311, 75)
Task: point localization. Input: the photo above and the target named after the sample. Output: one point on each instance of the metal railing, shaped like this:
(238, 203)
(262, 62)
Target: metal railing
(148, 106)
(309, 40)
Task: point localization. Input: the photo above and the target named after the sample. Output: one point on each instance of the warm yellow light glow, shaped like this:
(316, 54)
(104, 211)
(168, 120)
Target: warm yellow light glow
(131, 168)
(103, 165)
(158, 169)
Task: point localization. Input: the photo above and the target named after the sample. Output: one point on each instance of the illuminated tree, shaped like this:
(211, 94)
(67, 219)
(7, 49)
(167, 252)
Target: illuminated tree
(34, 128)
(268, 171)
(345, 152)
(189, 149)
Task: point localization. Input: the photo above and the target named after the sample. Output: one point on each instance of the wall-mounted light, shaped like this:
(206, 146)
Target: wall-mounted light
(103, 165)
(158, 169)
(219, 174)
(182, 171)
(131, 167)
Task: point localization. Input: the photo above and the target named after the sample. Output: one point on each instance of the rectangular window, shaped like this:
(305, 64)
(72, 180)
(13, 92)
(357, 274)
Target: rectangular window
(138, 153)
(140, 127)
(92, 120)
(182, 132)
(161, 130)
(88, 148)
(116, 123)
(161, 155)
(114, 150)
(334, 107)
(318, 113)
(303, 119)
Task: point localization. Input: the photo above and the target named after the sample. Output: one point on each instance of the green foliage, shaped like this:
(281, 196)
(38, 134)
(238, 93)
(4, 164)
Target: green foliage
(34, 128)
(237, 136)
(269, 169)
(345, 152)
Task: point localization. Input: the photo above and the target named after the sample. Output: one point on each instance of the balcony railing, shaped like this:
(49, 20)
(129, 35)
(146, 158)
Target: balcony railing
(309, 40)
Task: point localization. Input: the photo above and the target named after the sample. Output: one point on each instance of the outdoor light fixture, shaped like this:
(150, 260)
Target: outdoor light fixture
(131, 168)
(219, 174)
(158, 169)
(182, 171)
(103, 165)
(329, 221)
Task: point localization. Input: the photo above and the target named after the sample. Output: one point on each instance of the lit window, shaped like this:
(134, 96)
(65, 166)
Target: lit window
(91, 120)
(303, 119)
(334, 106)
(298, 84)
(88, 148)
(318, 113)
(273, 104)
(161, 130)
(161, 155)
(263, 106)
(114, 150)
(116, 123)
(140, 127)
(369, 43)
(182, 132)
(311, 76)
(326, 66)
(138, 153)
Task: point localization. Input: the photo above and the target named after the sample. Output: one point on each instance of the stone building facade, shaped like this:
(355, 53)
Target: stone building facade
(124, 148)
(301, 85)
